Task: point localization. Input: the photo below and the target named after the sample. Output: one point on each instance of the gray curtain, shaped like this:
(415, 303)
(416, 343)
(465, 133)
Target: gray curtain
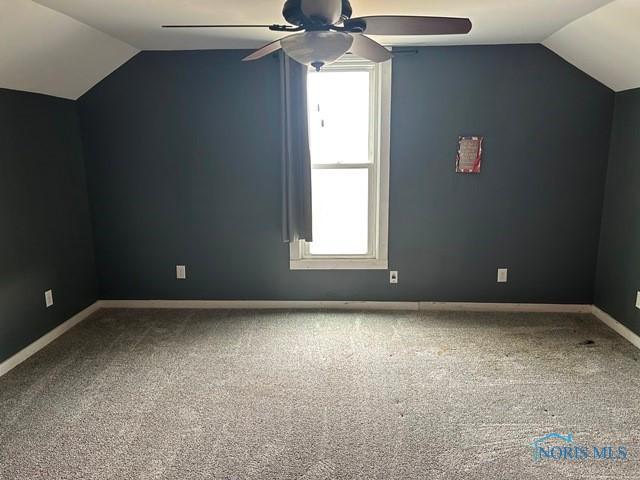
(296, 158)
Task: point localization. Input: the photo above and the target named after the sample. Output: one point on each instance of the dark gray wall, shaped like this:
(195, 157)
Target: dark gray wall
(183, 160)
(618, 276)
(46, 239)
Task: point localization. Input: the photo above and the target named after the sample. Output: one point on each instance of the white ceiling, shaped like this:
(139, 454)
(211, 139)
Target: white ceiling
(68, 47)
(47, 52)
(605, 44)
(137, 22)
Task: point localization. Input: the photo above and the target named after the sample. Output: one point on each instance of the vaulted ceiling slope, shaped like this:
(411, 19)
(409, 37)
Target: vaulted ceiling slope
(605, 44)
(64, 47)
(44, 51)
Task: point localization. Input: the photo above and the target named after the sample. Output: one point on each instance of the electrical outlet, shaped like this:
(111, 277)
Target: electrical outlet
(638, 300)
(181, 272)
(393, 277)
(502, 275)
(48, 298)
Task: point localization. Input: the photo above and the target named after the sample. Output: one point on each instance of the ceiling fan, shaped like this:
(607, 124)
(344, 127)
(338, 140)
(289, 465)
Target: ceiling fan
(323, 31)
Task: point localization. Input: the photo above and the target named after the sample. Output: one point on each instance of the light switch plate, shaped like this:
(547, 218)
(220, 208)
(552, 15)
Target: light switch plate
(638, 300)
(48, 298)
(181, 272)
(502, 275)
(393, 277)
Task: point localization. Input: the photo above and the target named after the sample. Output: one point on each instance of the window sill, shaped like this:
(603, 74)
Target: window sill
(338, 264)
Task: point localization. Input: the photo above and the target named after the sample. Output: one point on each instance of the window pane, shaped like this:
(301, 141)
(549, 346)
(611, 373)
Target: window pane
(338, 117)
(340, 211)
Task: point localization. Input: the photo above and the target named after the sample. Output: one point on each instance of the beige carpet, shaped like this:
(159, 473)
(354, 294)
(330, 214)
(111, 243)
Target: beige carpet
(317, 395)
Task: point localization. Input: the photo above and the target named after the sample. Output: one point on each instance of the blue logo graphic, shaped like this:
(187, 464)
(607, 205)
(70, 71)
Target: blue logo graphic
(557, 447)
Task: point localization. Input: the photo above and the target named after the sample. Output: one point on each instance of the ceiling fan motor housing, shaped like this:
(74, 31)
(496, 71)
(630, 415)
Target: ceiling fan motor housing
(293, 14)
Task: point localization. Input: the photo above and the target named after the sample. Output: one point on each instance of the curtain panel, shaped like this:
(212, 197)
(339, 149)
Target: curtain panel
(296, 157)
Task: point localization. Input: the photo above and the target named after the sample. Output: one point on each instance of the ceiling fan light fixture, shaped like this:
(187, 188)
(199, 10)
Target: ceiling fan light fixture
(317, 48)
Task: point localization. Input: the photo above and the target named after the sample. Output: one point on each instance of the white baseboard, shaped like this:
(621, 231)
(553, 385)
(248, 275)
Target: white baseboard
(260, 304)
(347, 305)
(46, 339)
(615, 325)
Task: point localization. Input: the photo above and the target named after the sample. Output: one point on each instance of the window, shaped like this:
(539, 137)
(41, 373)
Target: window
(349, 111)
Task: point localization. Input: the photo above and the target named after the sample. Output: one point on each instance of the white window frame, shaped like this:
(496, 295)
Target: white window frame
(380, 113)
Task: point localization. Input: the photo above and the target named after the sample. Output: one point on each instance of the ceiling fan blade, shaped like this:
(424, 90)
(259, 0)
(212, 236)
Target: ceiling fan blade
(216, 26)
(264, 51)
(408, 25)
(364, 47)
